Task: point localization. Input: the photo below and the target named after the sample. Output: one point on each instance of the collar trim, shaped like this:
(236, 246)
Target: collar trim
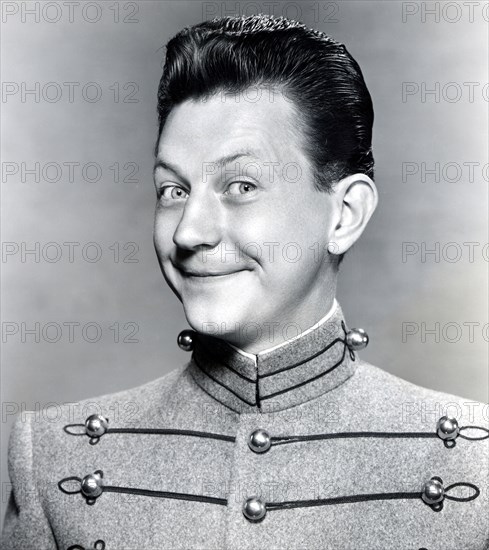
(277, 378)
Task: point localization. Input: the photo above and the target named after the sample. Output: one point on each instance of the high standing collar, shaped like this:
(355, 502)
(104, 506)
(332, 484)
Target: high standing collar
(275, 379)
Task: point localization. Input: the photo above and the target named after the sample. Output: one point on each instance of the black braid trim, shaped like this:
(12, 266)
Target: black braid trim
(283, 440)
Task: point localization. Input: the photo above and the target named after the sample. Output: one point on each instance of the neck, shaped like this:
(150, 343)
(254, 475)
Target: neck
(290, 327)
(253, 350)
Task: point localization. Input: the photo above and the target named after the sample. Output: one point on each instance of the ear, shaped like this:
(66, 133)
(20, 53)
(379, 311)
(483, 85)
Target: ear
(355, 199)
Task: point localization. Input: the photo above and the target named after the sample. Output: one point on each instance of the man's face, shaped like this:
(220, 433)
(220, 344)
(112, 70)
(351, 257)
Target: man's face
(240, 231)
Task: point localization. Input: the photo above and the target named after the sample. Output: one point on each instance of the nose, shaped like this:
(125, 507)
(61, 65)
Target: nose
(199, 225)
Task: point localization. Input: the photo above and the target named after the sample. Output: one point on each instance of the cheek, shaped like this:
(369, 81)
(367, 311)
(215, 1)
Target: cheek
(312, 224)
(272, 236)
(247, 231)
(164, 229)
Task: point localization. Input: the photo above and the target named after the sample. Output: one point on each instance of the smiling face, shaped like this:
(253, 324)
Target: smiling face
(240, 230)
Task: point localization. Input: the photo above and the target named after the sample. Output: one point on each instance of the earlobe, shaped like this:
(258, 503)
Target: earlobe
(357, 198)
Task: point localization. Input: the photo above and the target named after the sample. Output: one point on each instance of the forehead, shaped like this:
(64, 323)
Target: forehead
(261, 121)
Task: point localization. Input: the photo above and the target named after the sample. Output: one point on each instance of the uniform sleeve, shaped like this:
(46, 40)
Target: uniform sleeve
(25, 526)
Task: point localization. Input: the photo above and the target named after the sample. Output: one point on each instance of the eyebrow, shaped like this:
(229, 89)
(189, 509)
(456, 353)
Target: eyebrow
(227, 159)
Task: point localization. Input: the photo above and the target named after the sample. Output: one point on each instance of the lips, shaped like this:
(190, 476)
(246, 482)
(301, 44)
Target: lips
(200, 273)
(206, 273)
(210, 274)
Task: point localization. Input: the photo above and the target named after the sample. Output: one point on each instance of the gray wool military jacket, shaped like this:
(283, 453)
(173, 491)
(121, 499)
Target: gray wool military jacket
(303, 446)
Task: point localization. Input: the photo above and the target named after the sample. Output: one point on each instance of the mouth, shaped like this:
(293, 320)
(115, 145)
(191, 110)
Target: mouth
(207, 275)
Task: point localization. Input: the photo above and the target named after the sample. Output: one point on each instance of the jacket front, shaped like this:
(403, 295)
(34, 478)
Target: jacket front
(303, 446)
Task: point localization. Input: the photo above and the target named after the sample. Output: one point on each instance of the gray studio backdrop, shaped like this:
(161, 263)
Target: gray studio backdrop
(85, 310)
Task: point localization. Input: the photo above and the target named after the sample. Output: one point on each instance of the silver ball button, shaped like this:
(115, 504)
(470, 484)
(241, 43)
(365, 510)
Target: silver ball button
(357, 339)
(96, 425)
(254, 509)
(91, 485)
(186, 340)
(447, 428)
(433, 491)
(259, 441)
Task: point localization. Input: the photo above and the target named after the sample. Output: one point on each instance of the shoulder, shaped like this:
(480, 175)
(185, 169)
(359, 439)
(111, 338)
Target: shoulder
(413, 402)
(33, 432)
(392, 404)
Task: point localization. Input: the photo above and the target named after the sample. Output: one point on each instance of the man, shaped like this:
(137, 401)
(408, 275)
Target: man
(275, 434)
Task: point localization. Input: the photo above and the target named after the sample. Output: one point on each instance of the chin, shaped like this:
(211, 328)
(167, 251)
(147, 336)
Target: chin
(216, 318)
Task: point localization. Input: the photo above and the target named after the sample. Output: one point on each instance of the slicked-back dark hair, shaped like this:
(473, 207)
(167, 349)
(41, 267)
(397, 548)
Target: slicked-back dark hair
(319, 76)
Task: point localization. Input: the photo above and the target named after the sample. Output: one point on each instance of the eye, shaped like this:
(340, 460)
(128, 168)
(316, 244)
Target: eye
(242, 187)
(172, 192)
